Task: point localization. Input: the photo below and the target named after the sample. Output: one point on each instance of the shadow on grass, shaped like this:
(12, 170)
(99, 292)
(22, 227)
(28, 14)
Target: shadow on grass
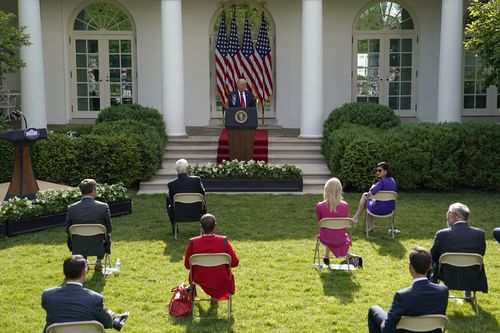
(210, 316)
(96, 282)
(485, 322)
(339, 284)
(387, 246)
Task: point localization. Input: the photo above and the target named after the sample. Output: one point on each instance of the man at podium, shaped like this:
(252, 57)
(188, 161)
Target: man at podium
(241, 97)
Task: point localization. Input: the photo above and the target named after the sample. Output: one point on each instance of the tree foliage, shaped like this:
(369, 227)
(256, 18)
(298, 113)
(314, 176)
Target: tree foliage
(484, 32)
(12, 38)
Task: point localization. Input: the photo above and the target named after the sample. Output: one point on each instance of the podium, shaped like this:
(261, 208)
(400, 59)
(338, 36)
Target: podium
(23, 183)
(241, 124)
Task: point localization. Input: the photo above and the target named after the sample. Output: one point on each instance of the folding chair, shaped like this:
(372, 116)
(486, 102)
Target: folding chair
(88, 240)
(7, 103)
(187, 209)
(333, 223)
(91, 326)
(210, 260)
(459, 259)
(423, 323)
(382, 196)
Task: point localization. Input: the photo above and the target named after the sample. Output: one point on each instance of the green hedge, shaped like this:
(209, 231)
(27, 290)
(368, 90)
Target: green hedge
(125, 146)
(422, 156)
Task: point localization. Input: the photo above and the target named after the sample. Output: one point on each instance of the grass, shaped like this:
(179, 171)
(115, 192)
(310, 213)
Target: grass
(277, 290)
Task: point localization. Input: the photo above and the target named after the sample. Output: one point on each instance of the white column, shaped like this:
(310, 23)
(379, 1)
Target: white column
(172, 75)
(311, 108)
(450, 62)
(32, 76)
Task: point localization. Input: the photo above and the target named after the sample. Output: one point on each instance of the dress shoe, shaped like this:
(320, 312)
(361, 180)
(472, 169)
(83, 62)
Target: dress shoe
(119, 321)
(326, 261)
(98, 268)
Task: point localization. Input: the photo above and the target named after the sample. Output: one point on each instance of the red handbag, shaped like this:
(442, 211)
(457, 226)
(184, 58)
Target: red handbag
(181, 303)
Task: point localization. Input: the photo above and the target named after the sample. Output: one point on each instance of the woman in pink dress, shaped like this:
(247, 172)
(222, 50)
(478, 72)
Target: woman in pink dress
(333, 205)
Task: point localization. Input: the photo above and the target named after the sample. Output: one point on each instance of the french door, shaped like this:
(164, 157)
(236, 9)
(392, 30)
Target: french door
(384, 69)
(102, 74)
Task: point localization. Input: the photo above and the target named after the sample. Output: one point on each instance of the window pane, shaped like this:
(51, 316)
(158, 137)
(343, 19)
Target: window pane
(81, 60)
(384, 15)
(406, 88)
(126, 61)
(480, 87)
(363, 46)
(373, 60)
(362, 99)
(115, 89)
(127, 101)
(481, 102)
(93, 46)
(93, 61)
(374, 45)
(468, 87)
(82, 89)
(114, 46)
(406, 59)
(83, 104)
(114, 61)
(394, 59)
(81, 75)
(95, 104)
(405, 103)
(406, 74)
(469, 73)
(102, 16)
(126, 46)
(114, 75)
(393, 88)
(469, 58)
(394, 103)
(373, 100)
(394, 45)
(81, 46)
(468, 102)
(407, 45)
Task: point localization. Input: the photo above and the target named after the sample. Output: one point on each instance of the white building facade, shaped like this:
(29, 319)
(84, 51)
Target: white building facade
(87, 55)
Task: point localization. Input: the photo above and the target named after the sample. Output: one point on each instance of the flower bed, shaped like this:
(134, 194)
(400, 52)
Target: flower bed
(251, 176)
(48, 209)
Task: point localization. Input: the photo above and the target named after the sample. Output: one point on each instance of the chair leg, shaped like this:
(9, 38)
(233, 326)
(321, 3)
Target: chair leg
(229, 308)
(475, 304)
(175, 231)
(316, 255)
(366, 223)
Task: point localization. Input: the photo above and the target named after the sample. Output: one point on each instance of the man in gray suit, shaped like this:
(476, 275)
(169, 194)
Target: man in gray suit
(90, 211)
(72, 302)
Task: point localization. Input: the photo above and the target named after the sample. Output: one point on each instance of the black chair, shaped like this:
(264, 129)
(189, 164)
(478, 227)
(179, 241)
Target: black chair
(89, 241)
(188, 208)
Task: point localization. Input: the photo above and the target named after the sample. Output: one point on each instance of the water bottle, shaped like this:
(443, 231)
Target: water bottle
(117, 266)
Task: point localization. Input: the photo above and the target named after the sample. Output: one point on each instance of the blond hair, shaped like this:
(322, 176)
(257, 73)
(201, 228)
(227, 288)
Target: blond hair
(333, 193)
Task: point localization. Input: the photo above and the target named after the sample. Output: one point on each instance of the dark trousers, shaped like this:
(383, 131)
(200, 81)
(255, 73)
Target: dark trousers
(376, 315)
(170, 210)
(496, 234)
(107, 246)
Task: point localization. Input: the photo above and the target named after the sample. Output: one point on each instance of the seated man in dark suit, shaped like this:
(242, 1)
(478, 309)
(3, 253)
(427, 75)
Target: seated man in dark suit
(72, 302)
(421, 298)
(241, 97)
(183, 184)
(459, 237)
(89, 211)
(214, 280)
(496, 234)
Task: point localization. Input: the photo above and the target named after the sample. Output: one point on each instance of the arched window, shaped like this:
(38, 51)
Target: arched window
(384, 57)
(102, 45)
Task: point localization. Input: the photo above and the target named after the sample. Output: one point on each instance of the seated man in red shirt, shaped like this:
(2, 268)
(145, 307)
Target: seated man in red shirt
(215, 281)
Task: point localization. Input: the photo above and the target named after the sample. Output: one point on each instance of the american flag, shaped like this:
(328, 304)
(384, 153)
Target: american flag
(233, 72)
(265, 62)
(221, 47)
(246, 60)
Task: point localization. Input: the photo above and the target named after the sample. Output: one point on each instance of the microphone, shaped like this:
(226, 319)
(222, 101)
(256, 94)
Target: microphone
(20, 114)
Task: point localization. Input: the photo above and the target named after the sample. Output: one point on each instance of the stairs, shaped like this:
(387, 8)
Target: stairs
(200, 146)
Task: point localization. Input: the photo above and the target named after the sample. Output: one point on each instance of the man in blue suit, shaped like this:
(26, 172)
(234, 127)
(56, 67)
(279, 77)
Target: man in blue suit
(72, 302)
(90, 211)
(241, 97)
(421, 298)
(459, 237)
(184, 184)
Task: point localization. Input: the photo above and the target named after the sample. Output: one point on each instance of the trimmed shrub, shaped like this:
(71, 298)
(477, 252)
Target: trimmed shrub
(74, 130)
(142, 114)
(6, 161)
(366, 114)
(422, 156)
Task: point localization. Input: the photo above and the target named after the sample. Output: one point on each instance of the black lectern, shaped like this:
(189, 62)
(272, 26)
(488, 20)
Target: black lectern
(23, 183)
(241, 124)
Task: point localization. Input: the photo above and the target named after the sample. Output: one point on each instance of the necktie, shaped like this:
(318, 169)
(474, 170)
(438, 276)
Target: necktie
(242, 99)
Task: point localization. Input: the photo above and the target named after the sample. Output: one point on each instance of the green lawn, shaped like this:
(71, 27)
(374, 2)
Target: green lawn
(277, 290)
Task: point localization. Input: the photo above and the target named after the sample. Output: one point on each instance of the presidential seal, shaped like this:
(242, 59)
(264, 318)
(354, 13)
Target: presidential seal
(241, 116)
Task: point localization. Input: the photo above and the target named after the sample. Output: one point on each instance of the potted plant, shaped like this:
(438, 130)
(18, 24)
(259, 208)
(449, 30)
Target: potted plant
(249, 176)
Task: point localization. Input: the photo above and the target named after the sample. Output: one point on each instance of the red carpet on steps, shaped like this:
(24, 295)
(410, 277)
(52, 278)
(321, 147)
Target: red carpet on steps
(260, 148)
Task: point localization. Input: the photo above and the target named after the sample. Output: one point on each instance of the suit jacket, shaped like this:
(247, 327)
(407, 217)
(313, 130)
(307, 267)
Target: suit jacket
(185, 212)
(421, 298)
(234, 99)
(215, 281)
(460, 237)
(89, 211)
(72, 302)
(185, 184)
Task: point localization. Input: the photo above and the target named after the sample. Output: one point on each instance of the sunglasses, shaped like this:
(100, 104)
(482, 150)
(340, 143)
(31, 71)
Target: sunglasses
(379, 170)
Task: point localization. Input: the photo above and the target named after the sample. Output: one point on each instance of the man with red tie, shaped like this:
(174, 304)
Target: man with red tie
(241, 97)
(215, 281)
